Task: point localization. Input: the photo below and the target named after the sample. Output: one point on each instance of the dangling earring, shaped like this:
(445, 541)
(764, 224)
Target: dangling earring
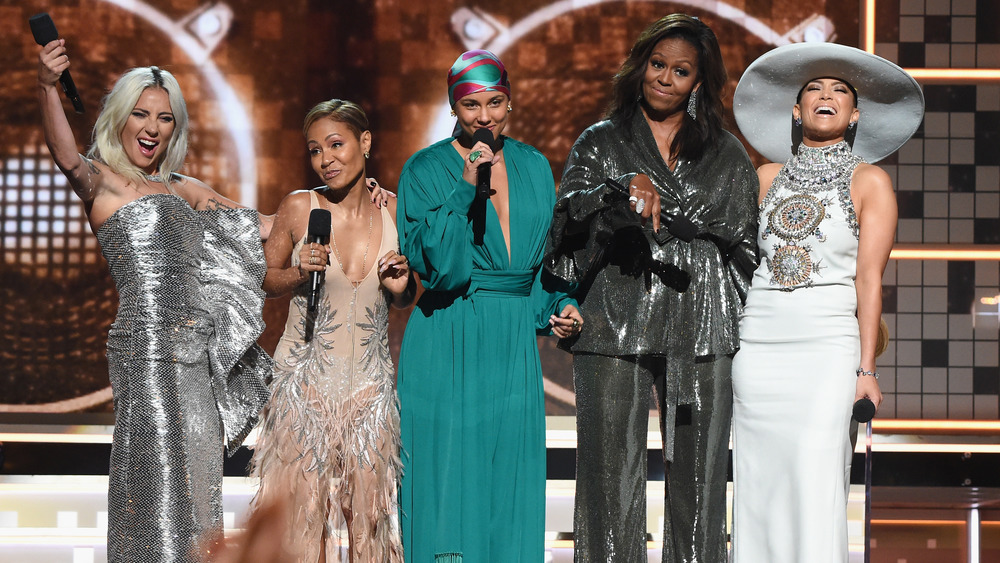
(693, 105)
(366, 154)
(798, 121)
(852, 124)
(509, 109)
(453, 114)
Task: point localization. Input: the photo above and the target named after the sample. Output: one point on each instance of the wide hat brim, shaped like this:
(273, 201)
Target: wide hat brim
(890, 102)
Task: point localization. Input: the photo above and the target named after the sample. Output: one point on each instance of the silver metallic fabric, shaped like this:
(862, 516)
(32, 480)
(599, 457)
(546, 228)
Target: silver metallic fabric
(186, 373)
(651, 298)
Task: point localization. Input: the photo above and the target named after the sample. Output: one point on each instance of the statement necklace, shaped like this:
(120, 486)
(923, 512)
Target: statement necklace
(364, 260)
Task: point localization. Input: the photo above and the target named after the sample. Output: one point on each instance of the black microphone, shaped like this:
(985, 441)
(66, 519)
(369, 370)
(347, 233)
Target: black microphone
(483, 177)
(44, 30)
(677, 225)
(483, 173)
(864, 410)
(319, 231)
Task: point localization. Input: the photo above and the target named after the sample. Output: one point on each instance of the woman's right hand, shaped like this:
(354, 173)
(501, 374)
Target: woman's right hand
(641, 189)
(471, 170)
(53, 60)
(312, 258)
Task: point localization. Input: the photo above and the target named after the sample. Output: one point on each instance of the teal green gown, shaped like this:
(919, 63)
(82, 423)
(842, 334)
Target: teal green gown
(470, 380)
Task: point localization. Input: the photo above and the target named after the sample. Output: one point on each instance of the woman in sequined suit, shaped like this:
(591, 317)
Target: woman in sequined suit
(809, 330)
(186, 373)
(470, 377)
(330, 434)
(662, 311)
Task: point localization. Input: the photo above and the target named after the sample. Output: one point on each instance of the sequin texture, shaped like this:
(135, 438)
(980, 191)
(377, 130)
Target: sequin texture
(186, 373)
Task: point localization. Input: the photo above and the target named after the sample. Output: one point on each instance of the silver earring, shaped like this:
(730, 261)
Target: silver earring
(509, 109)
(693, 105)
(852, 124)
(798, 121)
(366, 154)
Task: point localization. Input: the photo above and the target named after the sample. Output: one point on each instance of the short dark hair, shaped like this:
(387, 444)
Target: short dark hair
(343, 111)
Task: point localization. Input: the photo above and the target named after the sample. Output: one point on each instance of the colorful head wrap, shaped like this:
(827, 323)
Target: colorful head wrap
(476, 71)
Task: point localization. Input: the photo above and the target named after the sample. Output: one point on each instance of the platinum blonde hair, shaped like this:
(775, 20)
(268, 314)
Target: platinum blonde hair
(118, 105)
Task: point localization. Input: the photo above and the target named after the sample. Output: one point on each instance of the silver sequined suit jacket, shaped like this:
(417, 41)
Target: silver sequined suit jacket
(186, 373)
(649, 293)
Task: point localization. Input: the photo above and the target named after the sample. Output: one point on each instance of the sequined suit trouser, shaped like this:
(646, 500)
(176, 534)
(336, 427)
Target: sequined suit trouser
(613, 397)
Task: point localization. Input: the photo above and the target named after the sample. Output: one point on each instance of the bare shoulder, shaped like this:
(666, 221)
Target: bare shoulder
(765, 175)
(391, 207)
(871, 177)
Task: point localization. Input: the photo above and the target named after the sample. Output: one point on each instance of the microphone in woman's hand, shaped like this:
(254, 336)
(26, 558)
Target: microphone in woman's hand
(864, 410)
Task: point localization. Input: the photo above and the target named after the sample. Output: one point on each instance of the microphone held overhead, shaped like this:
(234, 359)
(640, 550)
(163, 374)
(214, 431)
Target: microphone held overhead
(44, 31)
(319, 233)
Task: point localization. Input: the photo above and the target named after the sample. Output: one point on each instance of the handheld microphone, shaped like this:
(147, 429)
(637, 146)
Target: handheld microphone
(483, 177)
(864, 410)
(44, 30)
(483, 173)
(319, 231)
(677, 225)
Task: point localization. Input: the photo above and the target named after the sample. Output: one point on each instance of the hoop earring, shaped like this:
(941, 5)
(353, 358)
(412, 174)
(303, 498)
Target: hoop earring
(692, 108)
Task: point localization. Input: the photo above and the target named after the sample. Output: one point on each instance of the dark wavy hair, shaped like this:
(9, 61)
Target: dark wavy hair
(695, 135)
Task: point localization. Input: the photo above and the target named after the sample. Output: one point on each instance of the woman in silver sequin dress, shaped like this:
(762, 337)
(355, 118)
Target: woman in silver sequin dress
(809, 330)
(663, 311)
(330, 434)
(186, 373)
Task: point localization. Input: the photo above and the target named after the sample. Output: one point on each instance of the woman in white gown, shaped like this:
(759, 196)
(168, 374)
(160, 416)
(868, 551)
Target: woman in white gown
(809, 329)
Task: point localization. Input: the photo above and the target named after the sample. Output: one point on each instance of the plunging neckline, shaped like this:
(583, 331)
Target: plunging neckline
(508, 245)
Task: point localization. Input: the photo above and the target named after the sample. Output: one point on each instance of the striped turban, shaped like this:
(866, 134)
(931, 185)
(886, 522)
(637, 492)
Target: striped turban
(476, 71)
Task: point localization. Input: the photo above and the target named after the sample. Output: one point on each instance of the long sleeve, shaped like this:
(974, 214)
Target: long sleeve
(434, 229)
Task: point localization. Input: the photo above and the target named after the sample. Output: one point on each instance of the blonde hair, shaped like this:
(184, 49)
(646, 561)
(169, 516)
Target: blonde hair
(882, 341)
(118, 105)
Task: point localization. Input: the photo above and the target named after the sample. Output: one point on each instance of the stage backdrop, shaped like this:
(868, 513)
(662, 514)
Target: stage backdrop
(251, 69)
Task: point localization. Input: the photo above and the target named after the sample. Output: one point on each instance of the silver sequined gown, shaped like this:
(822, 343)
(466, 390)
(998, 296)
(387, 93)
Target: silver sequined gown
(186, 373)
(661, 313)
(793, 378)
(330, 435)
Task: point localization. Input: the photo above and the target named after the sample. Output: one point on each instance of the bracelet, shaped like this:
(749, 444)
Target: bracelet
(861, 372)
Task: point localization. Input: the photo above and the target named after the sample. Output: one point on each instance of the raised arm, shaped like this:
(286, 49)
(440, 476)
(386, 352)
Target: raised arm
(875, 206)
(83, 174)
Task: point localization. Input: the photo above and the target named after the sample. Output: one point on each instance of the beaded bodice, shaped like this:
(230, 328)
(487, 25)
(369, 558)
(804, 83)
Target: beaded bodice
(807, 219)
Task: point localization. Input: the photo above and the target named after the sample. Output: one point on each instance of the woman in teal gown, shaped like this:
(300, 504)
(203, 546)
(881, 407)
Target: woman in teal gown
(470, 381)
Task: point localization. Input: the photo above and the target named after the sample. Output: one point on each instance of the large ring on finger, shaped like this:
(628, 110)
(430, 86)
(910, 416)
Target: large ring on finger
(640, 205)
(633, 199)
(576, 325)
(312, 260)
(474, 155)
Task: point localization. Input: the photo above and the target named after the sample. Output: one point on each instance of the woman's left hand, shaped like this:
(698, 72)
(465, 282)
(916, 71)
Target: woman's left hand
(568, 323)
(394, 272)
(867, 386)
(378, 195)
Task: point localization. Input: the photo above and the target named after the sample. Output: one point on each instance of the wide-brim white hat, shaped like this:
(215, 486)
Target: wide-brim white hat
(890, 102)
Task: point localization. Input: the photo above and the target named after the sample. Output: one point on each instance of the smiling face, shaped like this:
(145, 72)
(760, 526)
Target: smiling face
(671, 75)
(148, 129)
(337, 155)
(826, 107)
(482, 110)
